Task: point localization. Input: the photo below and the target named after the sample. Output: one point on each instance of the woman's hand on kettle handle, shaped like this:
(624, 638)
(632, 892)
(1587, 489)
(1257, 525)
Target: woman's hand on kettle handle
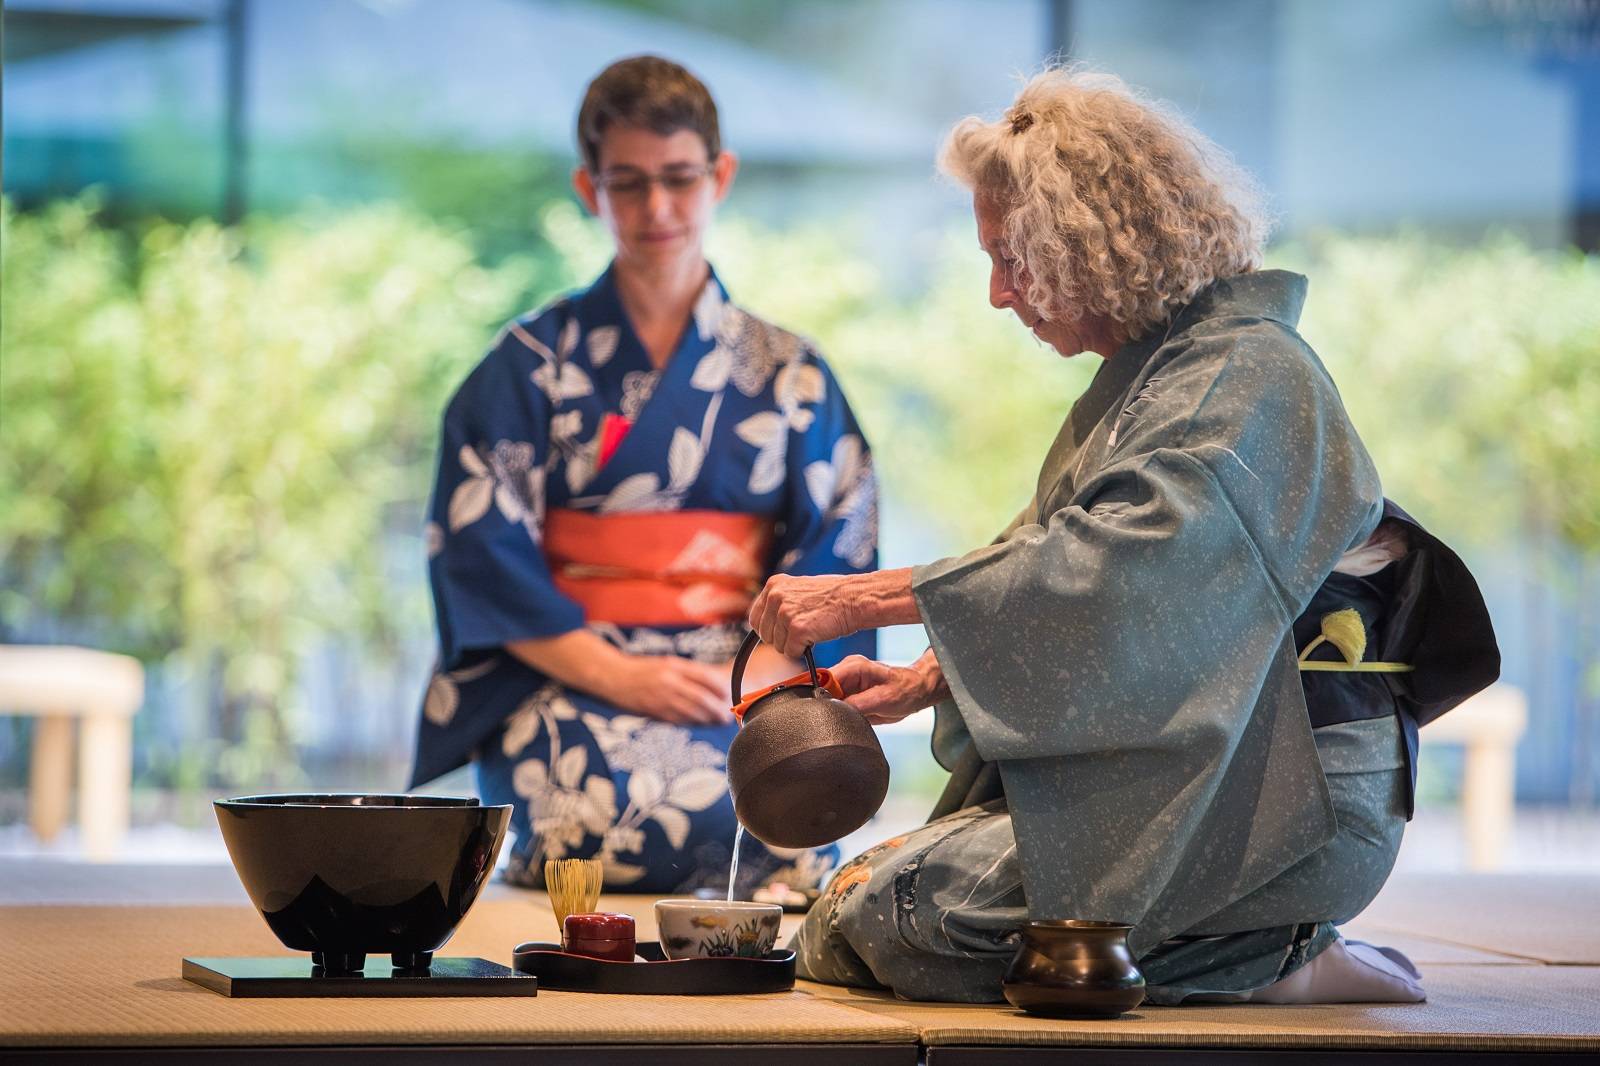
(884, 693)
(793, 613)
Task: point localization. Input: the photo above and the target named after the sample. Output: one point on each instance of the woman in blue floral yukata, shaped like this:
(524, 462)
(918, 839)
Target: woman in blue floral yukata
(617, 478)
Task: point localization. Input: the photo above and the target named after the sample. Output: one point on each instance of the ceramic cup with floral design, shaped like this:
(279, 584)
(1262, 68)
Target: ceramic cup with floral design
(699, 928)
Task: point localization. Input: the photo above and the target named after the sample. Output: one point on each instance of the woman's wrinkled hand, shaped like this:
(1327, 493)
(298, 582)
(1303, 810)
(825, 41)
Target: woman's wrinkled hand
(883, 693)
(793, 613)
(671, 689)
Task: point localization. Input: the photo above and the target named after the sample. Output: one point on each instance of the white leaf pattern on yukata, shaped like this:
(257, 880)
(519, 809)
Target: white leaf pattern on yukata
(622, 838)
(565, 426)
(512, 504)
(439, 706)
(645, 789)
(580, 467)
(470, 502)
(522, 726)
(568, 342)
(561, 708)
(433, 538)
(708, 311)
(601, 793)
(620, 873)
(509, 476)
(859, 535)
(828, 483)
(673, 822)
(637, 388)
(636, 492)
(684, 458)
(857, 513)
(529, 778)
(475, 671)
(563, 814)
(472, 462)
(444, 694)
(610, 732)
(562, 381)
(800, 386)
(767, 473)
(768, 432)
(821, 476)
(570, 767)
(603, 345)
(799, 383)
(760, 429)
(711, 373)
(695, 790)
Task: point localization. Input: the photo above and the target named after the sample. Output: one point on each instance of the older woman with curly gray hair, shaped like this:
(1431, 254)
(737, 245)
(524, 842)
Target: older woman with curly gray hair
(1117, 680)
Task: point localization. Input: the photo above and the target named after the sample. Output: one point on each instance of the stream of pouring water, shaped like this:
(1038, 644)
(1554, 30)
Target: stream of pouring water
(733, 870)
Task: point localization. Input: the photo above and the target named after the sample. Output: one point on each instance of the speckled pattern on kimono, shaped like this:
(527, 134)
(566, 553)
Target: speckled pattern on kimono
(934, 914)
(1123, 653)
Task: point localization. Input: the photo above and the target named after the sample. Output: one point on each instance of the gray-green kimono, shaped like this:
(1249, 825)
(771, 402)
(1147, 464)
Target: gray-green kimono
(1123, 655)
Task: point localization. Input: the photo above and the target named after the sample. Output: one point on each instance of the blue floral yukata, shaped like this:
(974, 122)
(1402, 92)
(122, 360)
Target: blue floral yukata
(567, 416)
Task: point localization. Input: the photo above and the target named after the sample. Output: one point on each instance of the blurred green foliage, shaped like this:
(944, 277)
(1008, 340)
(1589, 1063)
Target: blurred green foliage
(210, 438)
(1473, 374)
(216, 445)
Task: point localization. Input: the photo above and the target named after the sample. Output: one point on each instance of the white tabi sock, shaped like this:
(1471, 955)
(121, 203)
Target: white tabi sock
(1350, 971)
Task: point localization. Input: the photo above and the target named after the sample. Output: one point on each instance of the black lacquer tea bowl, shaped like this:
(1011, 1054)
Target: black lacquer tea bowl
(344, 875)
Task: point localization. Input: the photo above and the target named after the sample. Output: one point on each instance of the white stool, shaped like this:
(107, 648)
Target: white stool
(1489, 725)
(58, 685)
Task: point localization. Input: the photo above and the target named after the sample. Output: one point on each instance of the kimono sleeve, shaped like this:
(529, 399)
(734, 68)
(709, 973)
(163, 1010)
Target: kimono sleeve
(1175, 569)
(1126, 661)
(830, 513)
(491, 583)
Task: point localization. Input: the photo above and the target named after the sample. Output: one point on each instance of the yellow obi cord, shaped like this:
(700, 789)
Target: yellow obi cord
(1343, 629)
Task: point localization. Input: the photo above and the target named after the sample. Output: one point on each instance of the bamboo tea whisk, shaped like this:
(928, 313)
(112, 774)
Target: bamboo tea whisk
(574, 886)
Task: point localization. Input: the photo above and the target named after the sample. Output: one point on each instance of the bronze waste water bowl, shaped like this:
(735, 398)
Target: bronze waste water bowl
(344, 875)
(1074, 969)
(805, 769)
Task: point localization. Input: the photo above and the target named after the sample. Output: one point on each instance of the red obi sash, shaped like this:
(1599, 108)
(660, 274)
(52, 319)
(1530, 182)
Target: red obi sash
(658, 568)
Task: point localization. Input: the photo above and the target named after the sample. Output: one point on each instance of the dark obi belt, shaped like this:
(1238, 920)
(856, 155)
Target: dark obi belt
(1423, 610)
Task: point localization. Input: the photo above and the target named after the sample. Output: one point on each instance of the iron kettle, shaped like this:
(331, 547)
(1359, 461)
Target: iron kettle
(805, 768)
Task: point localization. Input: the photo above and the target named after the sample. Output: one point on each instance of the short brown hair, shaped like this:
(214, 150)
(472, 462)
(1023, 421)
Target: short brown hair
(650, 93)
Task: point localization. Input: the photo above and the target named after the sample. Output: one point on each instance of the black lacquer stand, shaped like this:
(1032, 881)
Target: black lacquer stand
(290, 976)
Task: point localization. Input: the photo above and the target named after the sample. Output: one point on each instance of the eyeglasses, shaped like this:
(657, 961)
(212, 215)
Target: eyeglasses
(635, 186)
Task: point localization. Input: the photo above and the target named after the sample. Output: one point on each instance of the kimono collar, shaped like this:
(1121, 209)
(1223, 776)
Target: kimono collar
(601, 303)
(1277, 295)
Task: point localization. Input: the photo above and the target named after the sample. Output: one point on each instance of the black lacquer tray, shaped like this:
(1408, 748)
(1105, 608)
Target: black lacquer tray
(293, 976)
(657, 975)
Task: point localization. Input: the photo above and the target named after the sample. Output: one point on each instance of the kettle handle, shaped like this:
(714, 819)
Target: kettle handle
(749, 645)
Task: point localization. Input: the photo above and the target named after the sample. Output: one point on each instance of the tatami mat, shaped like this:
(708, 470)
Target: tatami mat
(1426, 951)
(109, 975)
(1549, 918)
(1479, 1008)
(97, 976)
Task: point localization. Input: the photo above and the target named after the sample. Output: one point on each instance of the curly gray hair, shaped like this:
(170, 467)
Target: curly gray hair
(1115, 206)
